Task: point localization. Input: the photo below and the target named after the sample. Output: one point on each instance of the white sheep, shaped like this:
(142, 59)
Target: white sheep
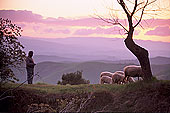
(140, 78)
(105, 79)
(131, 79)
(120, 72)
(133, 71)
(106, 74)
(118, 77)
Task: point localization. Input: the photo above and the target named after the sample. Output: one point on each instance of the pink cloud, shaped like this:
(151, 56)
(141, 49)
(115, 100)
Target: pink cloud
(98, 30)
(136, 32)
(36, 22)
(159, 31)
(63, 31)
(20, 16)
(36, 28)
(21, 25)
(155, 22)
(29, 17)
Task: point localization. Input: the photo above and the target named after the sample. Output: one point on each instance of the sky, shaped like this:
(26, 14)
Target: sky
(76, 18)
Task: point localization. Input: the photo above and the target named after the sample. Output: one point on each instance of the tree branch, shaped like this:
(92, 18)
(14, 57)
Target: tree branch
(136, 4)
(141, 14)
(121, 2)
(112, 21)
(144, 6)
(139, 23)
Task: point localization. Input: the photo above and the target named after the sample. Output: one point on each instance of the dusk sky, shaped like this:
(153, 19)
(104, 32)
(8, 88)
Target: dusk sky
(74, 18)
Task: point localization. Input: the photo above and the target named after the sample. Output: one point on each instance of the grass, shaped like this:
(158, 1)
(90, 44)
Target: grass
(137, 97)
(60, 89)
(84, 88)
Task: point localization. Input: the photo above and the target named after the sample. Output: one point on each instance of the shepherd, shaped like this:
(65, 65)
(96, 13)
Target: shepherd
(30, 67)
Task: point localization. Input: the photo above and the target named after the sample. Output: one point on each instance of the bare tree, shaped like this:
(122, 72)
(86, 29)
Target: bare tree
(141, 53)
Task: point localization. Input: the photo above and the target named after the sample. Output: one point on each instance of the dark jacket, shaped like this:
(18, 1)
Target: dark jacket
(29, 62)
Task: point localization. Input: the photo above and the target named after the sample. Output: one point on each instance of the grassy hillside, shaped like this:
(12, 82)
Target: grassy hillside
(142, 96)
(51, 72)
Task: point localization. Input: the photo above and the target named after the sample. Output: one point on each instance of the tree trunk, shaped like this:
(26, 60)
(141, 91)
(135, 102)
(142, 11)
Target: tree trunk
(141, 54)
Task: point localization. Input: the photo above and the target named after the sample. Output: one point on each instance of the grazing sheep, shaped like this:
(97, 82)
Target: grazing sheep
(120, 72)
(118, 77)
(133, 71)
(106, 74)
(105, 79)
(136, 79)
(131, 79)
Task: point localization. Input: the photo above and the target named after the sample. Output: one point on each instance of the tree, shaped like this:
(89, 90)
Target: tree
(73, 79)
(11, 50)
(140, 52)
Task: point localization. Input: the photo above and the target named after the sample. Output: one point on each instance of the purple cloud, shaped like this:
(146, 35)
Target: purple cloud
(36, 28)
(159, 31)
(21, 25)
(155, 22)
(136, 32)
(20, 16)
(29, 17)
(63, 31)
(98, 30)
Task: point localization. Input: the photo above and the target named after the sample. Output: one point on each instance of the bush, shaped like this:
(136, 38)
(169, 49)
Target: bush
(73, 79)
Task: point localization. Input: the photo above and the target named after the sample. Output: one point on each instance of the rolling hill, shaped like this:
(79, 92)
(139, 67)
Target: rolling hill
(91, 48)
(51, 72)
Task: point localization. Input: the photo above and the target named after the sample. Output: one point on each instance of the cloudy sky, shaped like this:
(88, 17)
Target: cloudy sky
(75, 18)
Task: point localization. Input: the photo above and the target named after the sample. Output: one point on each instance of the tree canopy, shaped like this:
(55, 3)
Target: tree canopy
(11, 50)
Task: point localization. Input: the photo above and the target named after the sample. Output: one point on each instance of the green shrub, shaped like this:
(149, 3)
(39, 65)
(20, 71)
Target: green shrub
(74, 78)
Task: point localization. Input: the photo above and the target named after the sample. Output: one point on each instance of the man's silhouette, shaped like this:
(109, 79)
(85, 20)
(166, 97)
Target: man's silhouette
(30, 67)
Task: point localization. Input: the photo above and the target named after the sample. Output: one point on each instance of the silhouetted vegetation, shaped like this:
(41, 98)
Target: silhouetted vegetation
(11, 52)
(74, 78)
(143, 96)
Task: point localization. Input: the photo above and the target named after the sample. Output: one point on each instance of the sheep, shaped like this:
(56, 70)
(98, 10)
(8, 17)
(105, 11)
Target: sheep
(140, 78)
(106, 74)
(133, 71)
(120, 72)
(105, 79)
(131, 79)
(118, 77)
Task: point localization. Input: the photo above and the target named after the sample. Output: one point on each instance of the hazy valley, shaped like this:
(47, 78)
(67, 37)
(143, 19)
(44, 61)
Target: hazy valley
(50, 72)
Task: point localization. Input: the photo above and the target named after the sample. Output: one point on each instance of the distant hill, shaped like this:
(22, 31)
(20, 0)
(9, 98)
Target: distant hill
(43, 58)
(51, 72)
(159, 60)
(91, 48)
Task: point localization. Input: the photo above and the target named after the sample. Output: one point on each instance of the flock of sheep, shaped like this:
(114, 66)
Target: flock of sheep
(121, 77)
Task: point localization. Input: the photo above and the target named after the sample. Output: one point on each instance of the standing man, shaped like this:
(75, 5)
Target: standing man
(30, 67)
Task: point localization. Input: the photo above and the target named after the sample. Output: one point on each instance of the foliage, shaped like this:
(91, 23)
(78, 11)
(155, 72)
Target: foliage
(73, 79)
(11, 50)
